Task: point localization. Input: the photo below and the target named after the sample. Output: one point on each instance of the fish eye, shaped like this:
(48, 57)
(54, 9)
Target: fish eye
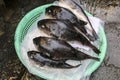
(31, 56)
(49, 11)
(43, 26)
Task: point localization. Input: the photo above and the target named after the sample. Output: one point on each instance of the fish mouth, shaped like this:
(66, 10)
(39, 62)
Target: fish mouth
(31, 54)
(39, 41)
(47, 16)
(46, 10)
(41, 22)
(36, 40)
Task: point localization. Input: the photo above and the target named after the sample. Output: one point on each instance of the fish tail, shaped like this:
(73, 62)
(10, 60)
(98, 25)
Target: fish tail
(95, 35)
(83, 56)
(95, 58)
(95, 49)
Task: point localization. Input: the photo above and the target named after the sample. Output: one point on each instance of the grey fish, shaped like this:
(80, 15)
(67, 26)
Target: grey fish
(79, 12)
(56, 12)
(64, 30)
(59, 50)
(43, 60)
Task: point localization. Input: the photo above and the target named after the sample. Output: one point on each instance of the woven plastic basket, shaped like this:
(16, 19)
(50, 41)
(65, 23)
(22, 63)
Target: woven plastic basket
(31, 17)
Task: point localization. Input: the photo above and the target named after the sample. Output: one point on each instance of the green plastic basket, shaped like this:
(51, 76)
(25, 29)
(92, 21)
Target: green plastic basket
(31, 17)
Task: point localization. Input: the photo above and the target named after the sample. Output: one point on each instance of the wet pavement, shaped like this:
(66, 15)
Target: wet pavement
(12, 69)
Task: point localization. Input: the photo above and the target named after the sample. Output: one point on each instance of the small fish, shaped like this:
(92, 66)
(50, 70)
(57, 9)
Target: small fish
(43, 60)
(56, 12)
(59, 50)
(64, 30)
(79, 12)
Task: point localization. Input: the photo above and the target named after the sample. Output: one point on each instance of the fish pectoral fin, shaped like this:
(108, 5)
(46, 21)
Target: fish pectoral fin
(91, 38)
(68, 66)
(81, 22)
(42, 64)
(53, 35)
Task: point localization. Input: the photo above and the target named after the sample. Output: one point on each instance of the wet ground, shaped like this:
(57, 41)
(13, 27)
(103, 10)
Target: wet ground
(11, 13)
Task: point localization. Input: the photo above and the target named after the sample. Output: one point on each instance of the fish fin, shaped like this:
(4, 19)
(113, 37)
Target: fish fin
(82, 56)
(95, 49)
(91, 38)
(68, 66)
(95, 58)
(81, 22)
(95, 35)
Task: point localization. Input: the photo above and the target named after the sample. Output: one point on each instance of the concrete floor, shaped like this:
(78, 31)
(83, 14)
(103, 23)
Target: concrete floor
(110, 68)
(12, 69)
